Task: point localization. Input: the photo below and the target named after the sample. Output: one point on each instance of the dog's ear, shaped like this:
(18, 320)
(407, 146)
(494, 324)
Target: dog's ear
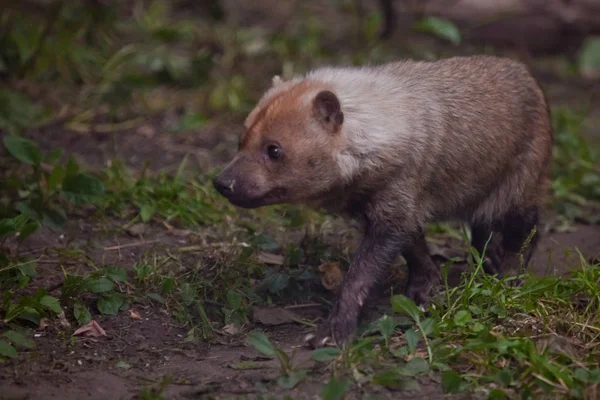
(327, 109)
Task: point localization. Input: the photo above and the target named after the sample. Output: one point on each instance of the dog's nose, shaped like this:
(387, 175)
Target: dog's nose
(222, 184)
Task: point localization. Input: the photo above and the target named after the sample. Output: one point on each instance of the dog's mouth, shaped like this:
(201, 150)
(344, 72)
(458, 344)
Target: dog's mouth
(272, 197)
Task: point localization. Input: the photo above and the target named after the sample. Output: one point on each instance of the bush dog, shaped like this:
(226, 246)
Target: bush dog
(397, 146)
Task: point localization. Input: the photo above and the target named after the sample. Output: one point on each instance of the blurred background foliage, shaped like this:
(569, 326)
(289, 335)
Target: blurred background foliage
(99, 67)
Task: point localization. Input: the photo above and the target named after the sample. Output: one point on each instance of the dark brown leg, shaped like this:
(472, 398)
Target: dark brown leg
(375, 254)
(423, 273)
(488, 247)
(517, 227)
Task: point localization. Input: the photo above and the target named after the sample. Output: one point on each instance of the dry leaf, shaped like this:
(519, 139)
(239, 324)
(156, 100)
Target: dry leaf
(269, 258)
(177, 232)
(134, 315)
(181, 232)
(231, 329)
(137, 229)
(274, 316)
(62, 319)
(146, 131)
(332, 276)
(44, 323)
(92, 329)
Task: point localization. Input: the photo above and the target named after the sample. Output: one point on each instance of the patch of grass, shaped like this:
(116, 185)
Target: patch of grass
(37, 188)
(576, 165)
(534, 339)
(290, 376)
(171, 199)
(539, 340)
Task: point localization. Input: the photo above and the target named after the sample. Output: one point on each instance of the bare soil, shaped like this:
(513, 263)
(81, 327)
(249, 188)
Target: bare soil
(138, 354)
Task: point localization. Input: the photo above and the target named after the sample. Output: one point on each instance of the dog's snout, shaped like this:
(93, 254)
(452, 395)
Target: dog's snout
(223, 184)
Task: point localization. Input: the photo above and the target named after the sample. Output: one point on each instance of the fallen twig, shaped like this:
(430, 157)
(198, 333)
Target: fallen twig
(134, 244)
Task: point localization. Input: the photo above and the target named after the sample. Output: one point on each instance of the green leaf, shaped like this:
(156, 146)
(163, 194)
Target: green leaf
(97, 285)
(28, 270)
(6, 350)
(167, 285)
(56, 178)
(277, 282)
(295, 255)
(188, 293)
(416, 366)
(12, 225)
(265, 242)
(386, 326)
(28, 230)
(110, 305)
(23, 149)
(440, 27)
(261, 343)
(82, 188)
(504, 377)
(390, 379)
(429, 326)
(497, 394)
(412, 339)
(19, 339)
(54, 217)
(6, 227)
(142, 271)
(462, 318)
(72, 167)
(581, 374)
(326, 354)
(234, 299)
(335, 389)
(146, 212)
(478, 327)
(451, 381)
(156, 297)
(115, 273)
(81, 313)
(51, 303)
(31, 315)
(594, 375)
(401, 303)
(293, 379)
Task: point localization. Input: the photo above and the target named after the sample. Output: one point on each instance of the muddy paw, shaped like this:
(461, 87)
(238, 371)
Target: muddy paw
(420, 295)
(334, 331)
(420, 291)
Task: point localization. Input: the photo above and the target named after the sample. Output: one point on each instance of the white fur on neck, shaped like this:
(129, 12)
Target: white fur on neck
(373, 102)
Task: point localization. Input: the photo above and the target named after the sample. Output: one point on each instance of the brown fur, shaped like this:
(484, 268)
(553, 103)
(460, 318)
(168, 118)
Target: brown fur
(399, 145)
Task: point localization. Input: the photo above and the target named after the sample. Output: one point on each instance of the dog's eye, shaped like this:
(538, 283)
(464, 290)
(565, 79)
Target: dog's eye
(273, 152)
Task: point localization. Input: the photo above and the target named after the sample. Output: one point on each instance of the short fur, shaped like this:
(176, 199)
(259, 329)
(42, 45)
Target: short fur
(399, 145)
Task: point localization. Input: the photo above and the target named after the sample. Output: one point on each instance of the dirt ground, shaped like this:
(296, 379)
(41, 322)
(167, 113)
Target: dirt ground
(138, 354)
(141, 353)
